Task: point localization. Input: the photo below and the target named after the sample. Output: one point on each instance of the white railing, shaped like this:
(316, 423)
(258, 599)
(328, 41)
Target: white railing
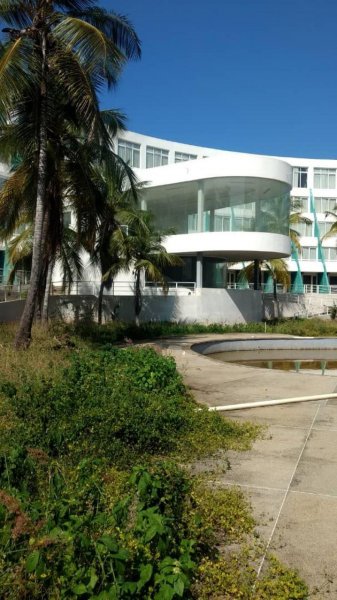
(16, 291)
(21, 277)
(120, 288)
(320, 289)
(172, 287)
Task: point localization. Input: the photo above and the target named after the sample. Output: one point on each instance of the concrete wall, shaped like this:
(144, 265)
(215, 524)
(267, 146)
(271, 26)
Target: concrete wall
(206, 306)
(11, 311)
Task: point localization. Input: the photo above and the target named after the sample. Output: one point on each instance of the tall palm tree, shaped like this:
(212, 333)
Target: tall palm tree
(140, 247)
(77, 47)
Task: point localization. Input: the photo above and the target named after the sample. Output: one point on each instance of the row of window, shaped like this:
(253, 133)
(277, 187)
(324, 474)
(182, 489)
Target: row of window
(322, 205)
(323, 178)
(310, 253)
(155, 157)
(307, 229)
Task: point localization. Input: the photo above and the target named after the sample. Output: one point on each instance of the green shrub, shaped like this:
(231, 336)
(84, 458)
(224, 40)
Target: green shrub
(118, 404)
(74, 523)
(67, 545)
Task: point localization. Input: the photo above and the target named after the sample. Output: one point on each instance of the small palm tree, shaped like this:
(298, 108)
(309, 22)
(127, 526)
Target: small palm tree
(296, 218)
(118, 212)
(277, 268)
(20, 251)
(140, 246)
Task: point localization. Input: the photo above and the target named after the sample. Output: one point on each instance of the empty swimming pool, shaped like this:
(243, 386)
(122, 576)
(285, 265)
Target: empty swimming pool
(311, 355)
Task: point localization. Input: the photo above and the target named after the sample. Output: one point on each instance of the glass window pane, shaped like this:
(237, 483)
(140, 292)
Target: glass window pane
(182, 156)
(156, 157)
(129, 152)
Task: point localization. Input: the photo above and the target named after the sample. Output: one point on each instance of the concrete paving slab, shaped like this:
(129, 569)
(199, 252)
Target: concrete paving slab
(316, 472)
(271, 461)
(265, 506)
(290, 475)
(287, 415)
(306, 538)
(327, 418)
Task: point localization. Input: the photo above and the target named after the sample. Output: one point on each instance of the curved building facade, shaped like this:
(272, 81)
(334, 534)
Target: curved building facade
(229, 207)
(221, 209)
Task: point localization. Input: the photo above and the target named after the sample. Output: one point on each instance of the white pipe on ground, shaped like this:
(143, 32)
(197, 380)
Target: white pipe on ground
(272, 402)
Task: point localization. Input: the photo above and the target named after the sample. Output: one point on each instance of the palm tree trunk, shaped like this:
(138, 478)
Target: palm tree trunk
(44, 267)
(100, 303)
(45, 305)
(138, 297)
(23, 335)
(275, 288)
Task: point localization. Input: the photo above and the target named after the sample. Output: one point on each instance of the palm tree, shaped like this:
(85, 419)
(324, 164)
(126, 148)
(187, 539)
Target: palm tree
(71, 46)
(119, 212)
(296, 217)
(276, 268)
(140, 247)
(20, 250)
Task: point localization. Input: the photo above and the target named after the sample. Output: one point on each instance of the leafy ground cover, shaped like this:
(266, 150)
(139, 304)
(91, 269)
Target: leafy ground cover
(117, 331)
(97, 497)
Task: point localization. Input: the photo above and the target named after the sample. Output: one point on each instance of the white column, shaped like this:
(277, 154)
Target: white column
(199, 270)
(201, 202)
(143, 204)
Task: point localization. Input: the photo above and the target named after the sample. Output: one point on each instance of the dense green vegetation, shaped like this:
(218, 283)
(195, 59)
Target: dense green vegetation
(97, 494)
(117, 331)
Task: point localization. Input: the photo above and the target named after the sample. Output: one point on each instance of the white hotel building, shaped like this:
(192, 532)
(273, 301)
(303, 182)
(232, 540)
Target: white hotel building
(227, 208)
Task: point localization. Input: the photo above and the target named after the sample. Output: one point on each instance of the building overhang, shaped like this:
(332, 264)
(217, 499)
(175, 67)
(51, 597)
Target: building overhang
(232, 246)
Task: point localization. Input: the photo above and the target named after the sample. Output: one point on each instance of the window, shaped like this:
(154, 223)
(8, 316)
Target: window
(129, 152)
(300, 177)
(330, 253)
(323, 205)
(309, 253)
(303, 228)
(325, 179)
(324, 227)
(222, 223)
(300, 203)
(156, 157)
(181, 156)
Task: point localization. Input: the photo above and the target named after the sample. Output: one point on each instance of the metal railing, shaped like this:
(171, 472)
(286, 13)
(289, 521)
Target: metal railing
(171, 287)
(16, 291)
(120, 288)
(21, 277)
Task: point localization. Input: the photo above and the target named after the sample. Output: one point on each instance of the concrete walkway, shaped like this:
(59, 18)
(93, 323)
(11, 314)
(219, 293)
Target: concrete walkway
(291, 474)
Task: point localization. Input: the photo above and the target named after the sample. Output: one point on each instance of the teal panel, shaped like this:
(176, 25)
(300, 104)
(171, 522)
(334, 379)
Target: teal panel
(297, 285)
(323, 279)
(269, 285)
(243, 283)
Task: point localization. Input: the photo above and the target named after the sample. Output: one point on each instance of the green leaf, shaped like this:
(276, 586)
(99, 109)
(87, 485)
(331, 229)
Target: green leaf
(165, 592)
(109, 542)
(150, 533)
(79, 589)
(145, 575)
(179, 587)
(32, 561)
(93, 580)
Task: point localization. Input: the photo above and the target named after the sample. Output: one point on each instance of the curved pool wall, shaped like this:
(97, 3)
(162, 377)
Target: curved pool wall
(256, 344)
(213, 347)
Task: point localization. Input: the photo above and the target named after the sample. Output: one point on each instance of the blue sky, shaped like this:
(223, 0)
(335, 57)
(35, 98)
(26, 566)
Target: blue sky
(247, 75)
